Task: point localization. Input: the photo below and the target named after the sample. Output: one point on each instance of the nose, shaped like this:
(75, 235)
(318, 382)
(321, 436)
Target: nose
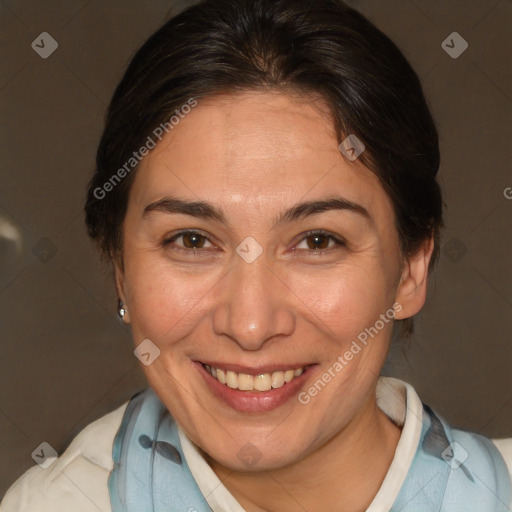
(254, 305)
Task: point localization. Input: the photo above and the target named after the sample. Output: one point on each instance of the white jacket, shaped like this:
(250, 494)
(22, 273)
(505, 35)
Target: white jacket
(77, 480)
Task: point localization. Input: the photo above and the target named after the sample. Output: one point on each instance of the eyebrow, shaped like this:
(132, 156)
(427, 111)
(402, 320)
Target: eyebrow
(204, 210)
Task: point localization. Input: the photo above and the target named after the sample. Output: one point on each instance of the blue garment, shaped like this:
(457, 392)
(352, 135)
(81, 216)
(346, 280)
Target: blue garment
(452, 471)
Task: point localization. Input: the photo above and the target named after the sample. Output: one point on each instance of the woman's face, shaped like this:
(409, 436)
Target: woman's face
(252, 291)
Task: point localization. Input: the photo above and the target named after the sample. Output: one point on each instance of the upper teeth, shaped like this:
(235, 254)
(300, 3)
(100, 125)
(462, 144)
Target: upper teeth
(245, 382)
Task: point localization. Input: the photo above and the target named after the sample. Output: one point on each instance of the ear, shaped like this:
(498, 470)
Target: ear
(412, 289)
(119, 277)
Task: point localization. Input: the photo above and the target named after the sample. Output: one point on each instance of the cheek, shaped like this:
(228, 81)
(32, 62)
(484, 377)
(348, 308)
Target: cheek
(344, 300)
(165, 304)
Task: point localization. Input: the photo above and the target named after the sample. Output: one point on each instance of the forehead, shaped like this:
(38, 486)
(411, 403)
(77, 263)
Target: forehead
(256, 151)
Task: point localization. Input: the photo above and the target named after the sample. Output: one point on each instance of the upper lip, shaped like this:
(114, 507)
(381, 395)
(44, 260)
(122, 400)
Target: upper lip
(256, 370)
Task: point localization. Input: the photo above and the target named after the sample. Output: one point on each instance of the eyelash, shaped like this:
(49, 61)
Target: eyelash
(318, 232)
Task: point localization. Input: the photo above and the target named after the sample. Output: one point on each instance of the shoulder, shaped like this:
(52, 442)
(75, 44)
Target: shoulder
(488, 478)
(479, 471)
(77, 480)
(505, 448)
(493, 457)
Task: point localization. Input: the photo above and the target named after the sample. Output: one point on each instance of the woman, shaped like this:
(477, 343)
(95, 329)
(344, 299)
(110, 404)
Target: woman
(266, 192)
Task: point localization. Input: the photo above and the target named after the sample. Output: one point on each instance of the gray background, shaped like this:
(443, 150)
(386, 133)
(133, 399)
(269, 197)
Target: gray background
(65, 357)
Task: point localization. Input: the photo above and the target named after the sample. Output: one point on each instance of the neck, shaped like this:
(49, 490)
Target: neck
(343, 475)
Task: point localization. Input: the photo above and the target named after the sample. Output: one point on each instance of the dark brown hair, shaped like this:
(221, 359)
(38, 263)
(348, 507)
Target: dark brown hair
(310, 47)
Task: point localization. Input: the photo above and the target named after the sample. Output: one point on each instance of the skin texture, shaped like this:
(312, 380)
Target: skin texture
(255, 154)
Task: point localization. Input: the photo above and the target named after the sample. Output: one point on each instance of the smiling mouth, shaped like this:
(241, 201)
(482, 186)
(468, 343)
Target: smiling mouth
(261, 382)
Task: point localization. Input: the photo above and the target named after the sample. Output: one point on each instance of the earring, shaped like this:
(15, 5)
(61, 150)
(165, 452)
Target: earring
(121, 310)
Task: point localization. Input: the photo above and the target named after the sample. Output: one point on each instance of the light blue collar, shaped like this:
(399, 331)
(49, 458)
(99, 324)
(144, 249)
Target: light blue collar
(452, 471)
(150, 471)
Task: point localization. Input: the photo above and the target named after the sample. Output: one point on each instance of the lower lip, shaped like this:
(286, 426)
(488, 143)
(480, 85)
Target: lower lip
(254, 401)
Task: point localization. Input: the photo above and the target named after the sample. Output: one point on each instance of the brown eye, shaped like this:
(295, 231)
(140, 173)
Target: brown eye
(319, 241)
(193, 240)
(190, 240)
